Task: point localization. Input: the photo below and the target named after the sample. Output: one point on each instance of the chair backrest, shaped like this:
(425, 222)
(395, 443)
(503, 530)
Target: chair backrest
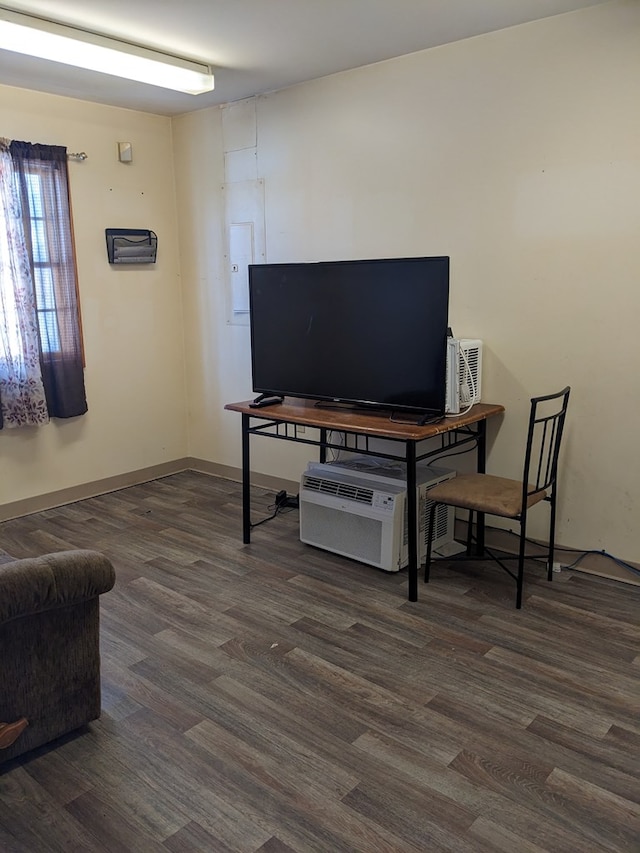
(546, 424)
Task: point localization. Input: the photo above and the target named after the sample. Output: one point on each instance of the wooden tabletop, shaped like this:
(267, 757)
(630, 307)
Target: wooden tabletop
(376, 422)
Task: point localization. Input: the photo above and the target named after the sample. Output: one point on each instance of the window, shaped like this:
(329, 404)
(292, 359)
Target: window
(42, 267)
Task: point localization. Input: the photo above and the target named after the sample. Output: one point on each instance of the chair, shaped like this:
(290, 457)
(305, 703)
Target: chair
(49, 646)
(484, 493)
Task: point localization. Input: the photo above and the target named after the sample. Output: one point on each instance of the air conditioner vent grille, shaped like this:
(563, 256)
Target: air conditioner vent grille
(347, 491)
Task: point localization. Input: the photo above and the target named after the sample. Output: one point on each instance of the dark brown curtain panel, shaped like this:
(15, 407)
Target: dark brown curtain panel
(43, 182)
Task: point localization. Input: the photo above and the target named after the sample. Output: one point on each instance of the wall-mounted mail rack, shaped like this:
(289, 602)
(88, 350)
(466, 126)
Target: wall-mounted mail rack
(131, 245)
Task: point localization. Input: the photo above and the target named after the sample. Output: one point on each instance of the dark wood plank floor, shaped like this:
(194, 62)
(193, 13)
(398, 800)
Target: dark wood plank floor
(277, 698)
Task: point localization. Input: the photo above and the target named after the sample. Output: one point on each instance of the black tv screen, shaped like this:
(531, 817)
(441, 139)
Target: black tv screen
(367, 332)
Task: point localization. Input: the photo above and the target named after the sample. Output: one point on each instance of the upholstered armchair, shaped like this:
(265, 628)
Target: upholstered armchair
(49, 646)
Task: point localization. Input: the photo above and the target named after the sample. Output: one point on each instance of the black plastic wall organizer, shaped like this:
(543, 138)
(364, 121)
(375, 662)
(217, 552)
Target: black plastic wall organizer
(131, 245)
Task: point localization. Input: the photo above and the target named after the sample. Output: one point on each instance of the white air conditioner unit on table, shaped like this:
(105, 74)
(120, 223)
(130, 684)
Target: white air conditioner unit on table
(358, 508)
(464, 374)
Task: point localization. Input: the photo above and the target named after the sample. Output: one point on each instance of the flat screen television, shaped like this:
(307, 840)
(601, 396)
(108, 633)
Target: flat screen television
(364, 333)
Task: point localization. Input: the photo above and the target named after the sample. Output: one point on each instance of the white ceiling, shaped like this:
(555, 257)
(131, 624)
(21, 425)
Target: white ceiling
(257, 46)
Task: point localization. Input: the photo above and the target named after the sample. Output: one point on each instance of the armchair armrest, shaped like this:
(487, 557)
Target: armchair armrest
(51, 581)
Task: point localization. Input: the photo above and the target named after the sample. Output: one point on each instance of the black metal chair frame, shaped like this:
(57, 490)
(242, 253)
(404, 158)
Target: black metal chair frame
(544, 437)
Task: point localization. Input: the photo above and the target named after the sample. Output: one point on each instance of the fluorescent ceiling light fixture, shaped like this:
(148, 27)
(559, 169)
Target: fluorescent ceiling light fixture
(71, 46)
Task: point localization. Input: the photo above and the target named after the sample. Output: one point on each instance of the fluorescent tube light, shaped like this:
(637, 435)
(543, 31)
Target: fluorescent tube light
(48, 40)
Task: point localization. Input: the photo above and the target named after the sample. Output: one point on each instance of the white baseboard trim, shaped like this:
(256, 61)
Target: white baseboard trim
(591, 564)
(264, 481)
(51, 500)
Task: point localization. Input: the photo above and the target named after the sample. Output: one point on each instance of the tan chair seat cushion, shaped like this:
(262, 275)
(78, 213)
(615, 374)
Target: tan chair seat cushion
(484, 493)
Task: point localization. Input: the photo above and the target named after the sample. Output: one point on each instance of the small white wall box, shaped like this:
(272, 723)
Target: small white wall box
(131, 245)
(464, 374)
(358, 508)
(125, 152)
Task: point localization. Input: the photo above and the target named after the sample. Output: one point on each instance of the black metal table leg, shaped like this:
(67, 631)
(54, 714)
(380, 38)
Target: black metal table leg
(323, 445)
(246, 482)
(481, 463)
(412, 520)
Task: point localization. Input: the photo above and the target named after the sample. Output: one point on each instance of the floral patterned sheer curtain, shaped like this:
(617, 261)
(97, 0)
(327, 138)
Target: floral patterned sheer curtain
(41, 359)
(22, 397)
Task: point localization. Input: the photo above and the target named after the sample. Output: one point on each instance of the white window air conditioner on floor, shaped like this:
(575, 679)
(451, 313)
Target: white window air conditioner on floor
(358, 508)
(464, 374)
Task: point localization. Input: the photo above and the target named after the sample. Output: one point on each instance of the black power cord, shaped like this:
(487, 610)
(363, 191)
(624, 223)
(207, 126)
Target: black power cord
(581, 554)
(282, 501)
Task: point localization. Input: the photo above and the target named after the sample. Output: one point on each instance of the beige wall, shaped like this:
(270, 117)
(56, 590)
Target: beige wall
(517, 154)
(132, 318)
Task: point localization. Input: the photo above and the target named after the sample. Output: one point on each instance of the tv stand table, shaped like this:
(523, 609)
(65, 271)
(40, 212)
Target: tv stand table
(283, 421)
